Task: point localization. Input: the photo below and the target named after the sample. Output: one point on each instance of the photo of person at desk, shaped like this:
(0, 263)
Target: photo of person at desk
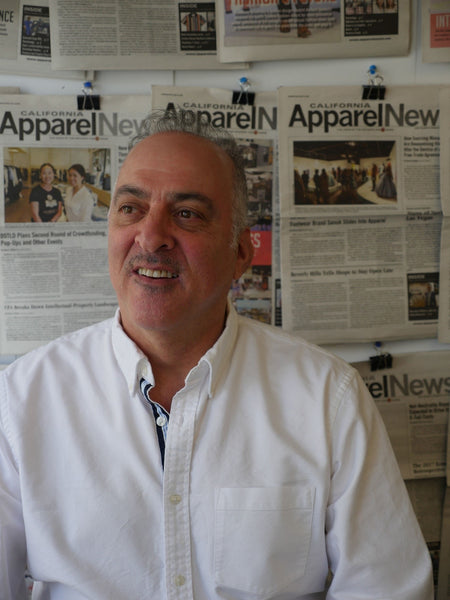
(179, 450)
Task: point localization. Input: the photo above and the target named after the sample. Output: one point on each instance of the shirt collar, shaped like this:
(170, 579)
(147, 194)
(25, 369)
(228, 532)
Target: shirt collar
(132, 361)
(135, 365)
(218, 357)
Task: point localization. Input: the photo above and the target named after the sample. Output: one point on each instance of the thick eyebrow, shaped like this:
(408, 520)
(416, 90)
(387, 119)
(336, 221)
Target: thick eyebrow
(177, 197)
(129, 190)
(173, 197)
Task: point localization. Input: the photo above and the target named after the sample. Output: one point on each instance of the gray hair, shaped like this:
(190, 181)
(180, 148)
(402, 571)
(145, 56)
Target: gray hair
(187, 121)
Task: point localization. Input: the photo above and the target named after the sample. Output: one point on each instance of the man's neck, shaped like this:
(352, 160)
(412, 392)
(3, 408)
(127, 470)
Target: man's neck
(172, 357)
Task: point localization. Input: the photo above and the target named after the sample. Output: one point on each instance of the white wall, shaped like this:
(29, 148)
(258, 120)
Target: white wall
(408, 70)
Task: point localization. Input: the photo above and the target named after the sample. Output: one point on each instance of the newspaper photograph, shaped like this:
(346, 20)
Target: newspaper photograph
(257, 293)
(25, 47)
(131, 34)
(435, 31)
(340, 154)
(361, 279)
(59, 165)
(413, 399)
(257, 30)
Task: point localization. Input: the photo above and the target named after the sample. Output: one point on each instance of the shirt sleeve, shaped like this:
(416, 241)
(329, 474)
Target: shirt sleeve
(12, 531)
(87, 206)
(375, 547)
(34, 194)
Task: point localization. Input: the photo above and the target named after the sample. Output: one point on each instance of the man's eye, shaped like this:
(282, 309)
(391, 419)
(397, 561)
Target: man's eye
(126, 209)
(185, 213)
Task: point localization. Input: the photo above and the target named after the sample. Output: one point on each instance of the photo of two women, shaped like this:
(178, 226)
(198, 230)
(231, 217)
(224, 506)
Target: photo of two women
(49, 185)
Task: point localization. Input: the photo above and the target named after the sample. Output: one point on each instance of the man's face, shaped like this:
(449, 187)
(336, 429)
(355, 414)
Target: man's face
(170, 230)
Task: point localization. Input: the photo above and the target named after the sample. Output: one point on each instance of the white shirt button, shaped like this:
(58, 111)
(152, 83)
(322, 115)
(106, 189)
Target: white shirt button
(175, 499)
(161, 420)
(180, 580)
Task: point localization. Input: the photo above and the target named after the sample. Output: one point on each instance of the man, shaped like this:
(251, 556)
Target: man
(179, 451)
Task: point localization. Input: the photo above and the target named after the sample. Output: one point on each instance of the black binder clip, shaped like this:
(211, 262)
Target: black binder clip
(87, 100)
(382, 360)
(374, 90)
(243, 96)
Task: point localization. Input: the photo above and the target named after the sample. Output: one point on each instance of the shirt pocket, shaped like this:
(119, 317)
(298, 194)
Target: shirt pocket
(262, 539)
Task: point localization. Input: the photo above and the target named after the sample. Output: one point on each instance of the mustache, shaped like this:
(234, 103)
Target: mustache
(146, 260)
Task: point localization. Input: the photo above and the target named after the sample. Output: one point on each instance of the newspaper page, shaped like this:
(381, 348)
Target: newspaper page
(435, 31)
(58, 164)
(257, 30)
(361, 279)
(25, 40)
(134, 34)
(360, 213)
(413, 399)
(257, 293)
(380, 156)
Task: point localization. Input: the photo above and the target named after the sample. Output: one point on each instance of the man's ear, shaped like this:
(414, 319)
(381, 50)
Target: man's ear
(244, 254)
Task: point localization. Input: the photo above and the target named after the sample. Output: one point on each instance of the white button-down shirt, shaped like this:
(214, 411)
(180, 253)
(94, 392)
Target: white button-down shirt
(277, 468)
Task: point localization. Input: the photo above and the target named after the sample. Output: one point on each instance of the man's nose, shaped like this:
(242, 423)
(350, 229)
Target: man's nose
(155, 232)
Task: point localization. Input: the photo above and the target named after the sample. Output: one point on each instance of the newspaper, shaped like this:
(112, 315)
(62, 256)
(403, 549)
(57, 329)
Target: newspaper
(54, 276)
(413, 400)
(435, 31)
(360, 213)
(134, 34)
(25, 40)
(380, 156)
(256, 30)
(257, 293)
(361, 279)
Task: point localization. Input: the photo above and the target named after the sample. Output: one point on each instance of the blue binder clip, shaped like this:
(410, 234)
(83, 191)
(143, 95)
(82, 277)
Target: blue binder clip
(243, 96)
(374, 90)
(87, 100)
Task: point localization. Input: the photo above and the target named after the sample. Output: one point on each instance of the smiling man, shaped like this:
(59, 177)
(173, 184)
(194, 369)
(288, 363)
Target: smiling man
(179, 451)
(172, 251)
